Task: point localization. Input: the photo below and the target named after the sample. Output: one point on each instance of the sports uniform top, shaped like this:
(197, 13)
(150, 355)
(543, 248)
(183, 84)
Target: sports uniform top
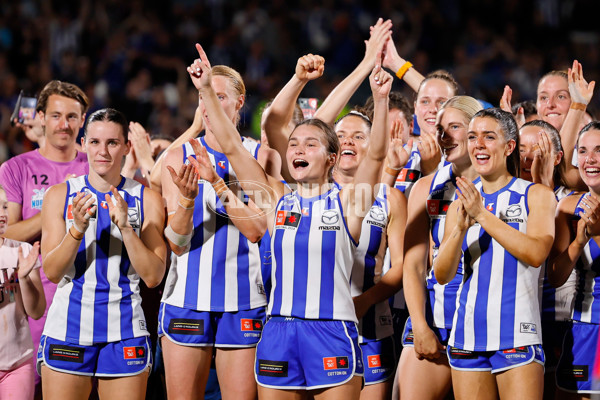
(312, 258)
(15, 341)
(98, 299)
(368, 268)
(441, 299)
(587, 289)
(498, 300)
(411, 172)
(557, 303)
(221, 271)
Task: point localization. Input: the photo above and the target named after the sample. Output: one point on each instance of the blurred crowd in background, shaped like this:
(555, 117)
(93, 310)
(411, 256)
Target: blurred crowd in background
(132, 55)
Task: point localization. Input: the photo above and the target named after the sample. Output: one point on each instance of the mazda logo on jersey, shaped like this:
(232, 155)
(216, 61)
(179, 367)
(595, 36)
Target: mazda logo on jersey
(330, 217)
(134, 219)
(377, 214)
(513, 211)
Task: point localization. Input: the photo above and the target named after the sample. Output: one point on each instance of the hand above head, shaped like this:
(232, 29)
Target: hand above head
(580, 90)
(380, 80)
(26, 264)
(505, 105)
(310, 67)
(200, 70)
(381, 32)
(140, 141)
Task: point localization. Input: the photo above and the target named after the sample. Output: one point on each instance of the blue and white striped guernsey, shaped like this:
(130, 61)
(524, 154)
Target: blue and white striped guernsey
(411, 172)
(376, 324)
(98, 300)
(499, 300)
(312, 257)
(221, 271)
(441, 299)
(587, 289)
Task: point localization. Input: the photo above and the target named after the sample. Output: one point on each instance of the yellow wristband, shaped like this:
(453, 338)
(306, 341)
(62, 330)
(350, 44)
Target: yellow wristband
(578, 106)
(402, 71)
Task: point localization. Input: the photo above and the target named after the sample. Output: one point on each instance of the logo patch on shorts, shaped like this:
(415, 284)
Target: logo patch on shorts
(251, 324)
(60, 352)
(133, 352)
(374, 361)
(277, 369)
(186, 326)
(335, 363)
(410, 337)
(462, 354)
(577, 373)
(516, 350)
(527, 327)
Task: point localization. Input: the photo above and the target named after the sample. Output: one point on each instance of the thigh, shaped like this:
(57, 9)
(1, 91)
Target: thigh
(265, 393)
(524, 382)
(125, 388)
(349, 390)
(377, 391)
(235, 369)
(62, 386)
(18, 384)
(195, 361)
(479, 385)
(422, 379)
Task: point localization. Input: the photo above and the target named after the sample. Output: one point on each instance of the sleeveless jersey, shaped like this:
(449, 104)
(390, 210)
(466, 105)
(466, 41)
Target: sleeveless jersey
(557, 303)
(498, 301)
(368, 268)
(441, 299)
(222, 270)
(98, 300)
(411, 172)
(587, 290)
(312, 258)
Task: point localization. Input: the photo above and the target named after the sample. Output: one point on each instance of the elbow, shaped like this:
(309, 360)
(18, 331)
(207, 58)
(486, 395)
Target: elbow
(256, 235)
(440, 277)
(153, 281)
(51, 276)
(37, 314)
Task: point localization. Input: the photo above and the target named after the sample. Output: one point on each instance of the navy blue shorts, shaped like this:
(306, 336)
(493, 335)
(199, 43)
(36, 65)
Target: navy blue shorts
(188, 327)
(494, 361)
(296, 353)
(574, 370)
(379, 359)
(113, 359)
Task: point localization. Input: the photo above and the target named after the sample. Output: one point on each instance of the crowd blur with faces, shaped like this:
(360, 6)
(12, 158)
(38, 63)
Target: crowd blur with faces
(480, 114)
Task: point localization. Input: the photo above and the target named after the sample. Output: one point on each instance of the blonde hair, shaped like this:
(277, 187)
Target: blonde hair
(234, 78)
(468, 105)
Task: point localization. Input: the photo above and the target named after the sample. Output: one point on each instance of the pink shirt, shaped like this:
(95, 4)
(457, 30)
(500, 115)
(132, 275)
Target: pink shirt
(15, 340)
(27, 176)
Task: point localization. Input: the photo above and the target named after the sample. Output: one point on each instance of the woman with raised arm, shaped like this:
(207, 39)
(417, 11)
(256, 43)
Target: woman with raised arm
(423, 371)
(501, 228)
(214, 300)
(310, 342)
(576, 249)
(102, 233)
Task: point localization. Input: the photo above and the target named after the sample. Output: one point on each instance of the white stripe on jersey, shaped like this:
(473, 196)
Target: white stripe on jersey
(221, 271)
(94, 302)
(314, 282)
(498, 302)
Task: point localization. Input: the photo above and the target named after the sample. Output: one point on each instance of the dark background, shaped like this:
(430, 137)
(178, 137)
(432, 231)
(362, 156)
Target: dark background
(132, 55)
